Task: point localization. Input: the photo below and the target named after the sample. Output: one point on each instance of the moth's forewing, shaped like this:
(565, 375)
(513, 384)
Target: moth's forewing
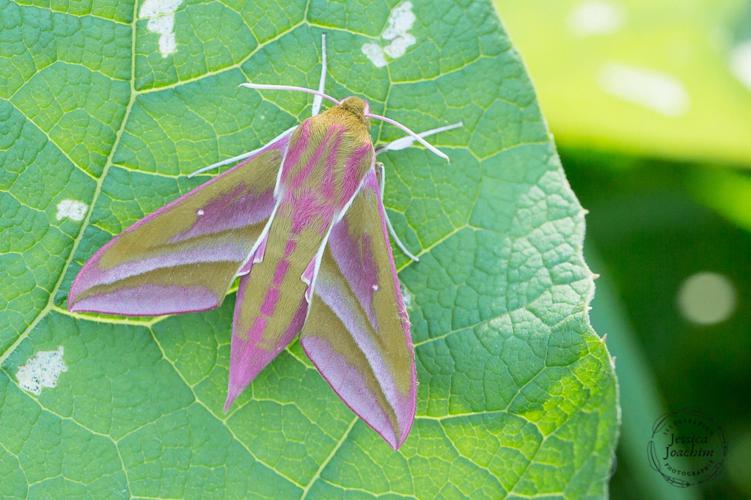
(357, 332)
(184, 256)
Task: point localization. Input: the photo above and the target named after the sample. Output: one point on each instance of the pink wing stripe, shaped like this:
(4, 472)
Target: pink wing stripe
(233, 211)
(301, 179)
(149, 300)
(351, 178)
(357, 263)
(350, 385)
(298, 146)
(246, 358)
(280, 272)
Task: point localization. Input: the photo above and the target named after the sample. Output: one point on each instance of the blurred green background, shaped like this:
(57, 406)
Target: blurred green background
(650, 103)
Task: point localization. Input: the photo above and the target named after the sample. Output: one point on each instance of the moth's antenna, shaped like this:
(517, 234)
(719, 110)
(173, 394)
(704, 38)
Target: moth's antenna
(222, 163)
(322, 82)
(291, 88)
(416, 136)
(405, 142)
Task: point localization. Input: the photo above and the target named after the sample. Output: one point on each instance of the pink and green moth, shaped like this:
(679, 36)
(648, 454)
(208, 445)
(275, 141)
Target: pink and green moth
(301, 222)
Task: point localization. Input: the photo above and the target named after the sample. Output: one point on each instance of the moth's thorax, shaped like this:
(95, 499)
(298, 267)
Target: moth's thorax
(326, 160)
(350, 114)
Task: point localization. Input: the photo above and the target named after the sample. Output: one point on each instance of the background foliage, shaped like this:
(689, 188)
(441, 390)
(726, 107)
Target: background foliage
(102, 115)
(669, 198)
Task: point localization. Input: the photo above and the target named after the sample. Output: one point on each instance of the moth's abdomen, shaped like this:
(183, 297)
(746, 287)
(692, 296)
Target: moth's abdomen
(274, 285)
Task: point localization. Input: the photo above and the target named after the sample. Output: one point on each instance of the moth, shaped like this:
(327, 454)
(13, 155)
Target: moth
(301, 223)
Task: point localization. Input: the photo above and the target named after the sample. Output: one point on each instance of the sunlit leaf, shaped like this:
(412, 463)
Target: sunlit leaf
(102, 114)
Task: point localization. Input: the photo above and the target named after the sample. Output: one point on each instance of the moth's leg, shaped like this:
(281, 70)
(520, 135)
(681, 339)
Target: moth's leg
(381, 174)
(222, 163)
(238, 157)
(317, 100)
(408, 140)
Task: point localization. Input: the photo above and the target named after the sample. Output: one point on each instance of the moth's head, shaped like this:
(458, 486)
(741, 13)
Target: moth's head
(354, 111)
(356, 106)
(351, 113)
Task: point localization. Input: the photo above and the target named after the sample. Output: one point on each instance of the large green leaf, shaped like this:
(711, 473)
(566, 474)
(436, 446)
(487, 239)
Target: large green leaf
(517, 394)
(652, 77)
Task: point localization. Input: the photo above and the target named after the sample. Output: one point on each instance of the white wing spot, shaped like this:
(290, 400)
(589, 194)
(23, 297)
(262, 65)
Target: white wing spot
(200, 211)
(161, 16)
(595, 18)
(375, 288)
(653, 90)
(71, 209)
(41, 371)
(400, 21)
(740, 63)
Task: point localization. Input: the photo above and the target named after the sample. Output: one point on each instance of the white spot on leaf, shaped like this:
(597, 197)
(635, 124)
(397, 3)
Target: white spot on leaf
(41, 371)
(399, 46)
(407, 297)
(740, 63)
(595, 18)
(161, 16)
(400, 21)
(374, 52)
(707, 298)
(654, 90)
(71, 209)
